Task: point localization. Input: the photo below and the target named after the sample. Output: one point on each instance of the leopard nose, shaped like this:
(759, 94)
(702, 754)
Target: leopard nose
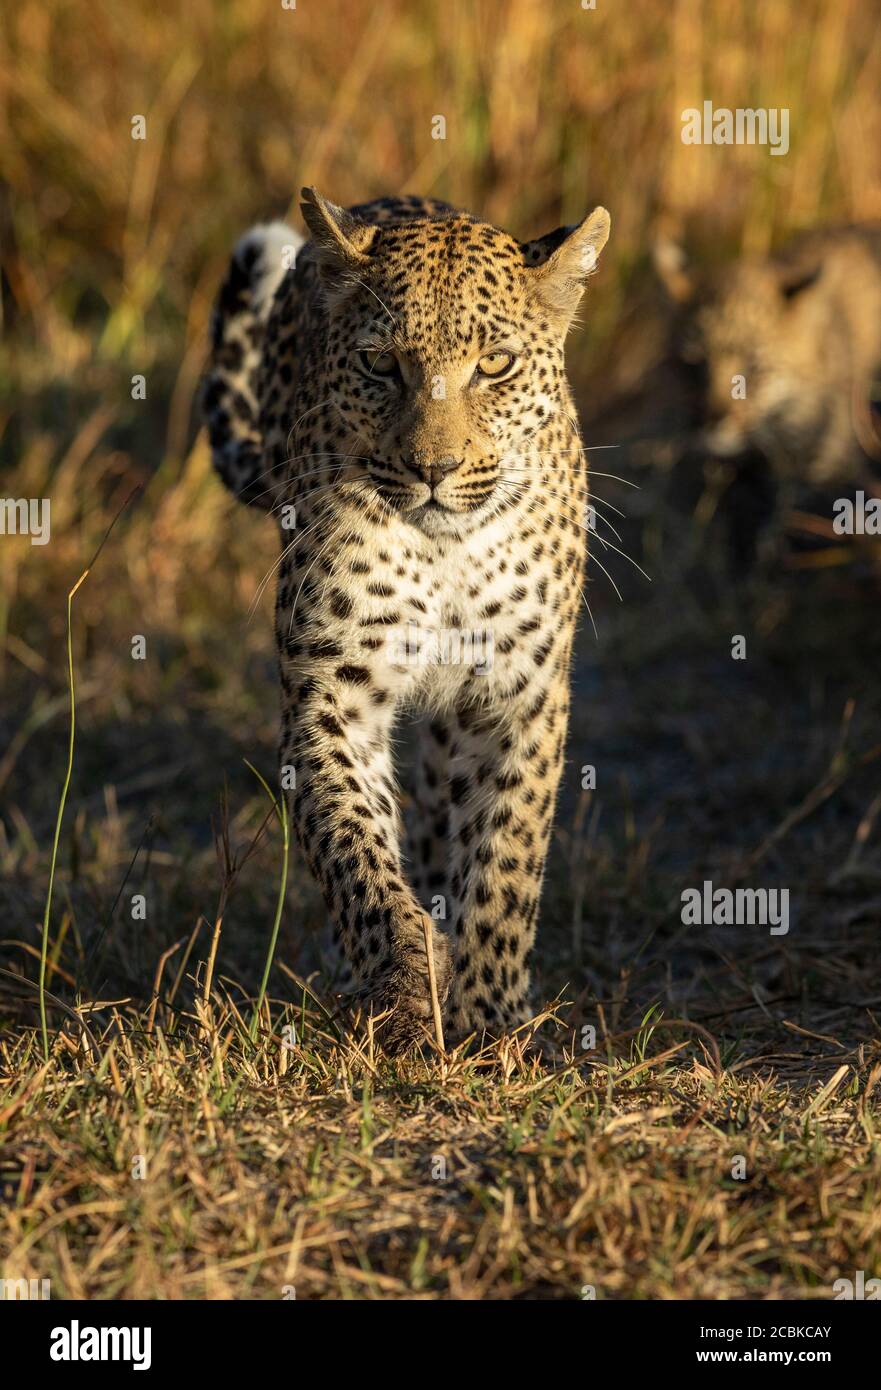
(438, 469)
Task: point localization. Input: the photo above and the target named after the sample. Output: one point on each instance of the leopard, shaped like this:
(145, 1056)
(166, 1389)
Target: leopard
(393, 391)
(782, 356)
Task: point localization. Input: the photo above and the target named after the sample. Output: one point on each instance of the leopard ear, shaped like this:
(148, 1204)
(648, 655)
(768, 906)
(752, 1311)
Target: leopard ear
(341, 239)
(562, 261)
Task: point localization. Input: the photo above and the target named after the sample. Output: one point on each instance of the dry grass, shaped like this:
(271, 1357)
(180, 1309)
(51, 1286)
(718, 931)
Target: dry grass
(316, 1165)
(330, 1170)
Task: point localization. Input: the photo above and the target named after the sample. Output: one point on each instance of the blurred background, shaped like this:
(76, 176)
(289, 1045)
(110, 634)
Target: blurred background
(112, 248)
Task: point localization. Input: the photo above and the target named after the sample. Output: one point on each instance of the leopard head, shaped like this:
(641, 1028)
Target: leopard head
(444, 348)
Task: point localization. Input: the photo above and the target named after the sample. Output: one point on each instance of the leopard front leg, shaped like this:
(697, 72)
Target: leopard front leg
(504, 771)
(345, 809)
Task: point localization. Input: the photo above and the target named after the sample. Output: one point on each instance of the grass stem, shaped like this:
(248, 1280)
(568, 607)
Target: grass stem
(281, 811)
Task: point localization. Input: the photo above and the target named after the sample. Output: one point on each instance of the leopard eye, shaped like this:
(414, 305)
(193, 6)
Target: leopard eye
(495, 364)
(377, 363)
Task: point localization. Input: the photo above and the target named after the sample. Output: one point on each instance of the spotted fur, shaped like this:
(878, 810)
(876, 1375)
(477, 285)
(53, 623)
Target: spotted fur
(417, 497)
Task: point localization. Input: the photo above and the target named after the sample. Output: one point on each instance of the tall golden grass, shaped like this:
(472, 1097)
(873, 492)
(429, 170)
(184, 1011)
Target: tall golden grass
(549, 109)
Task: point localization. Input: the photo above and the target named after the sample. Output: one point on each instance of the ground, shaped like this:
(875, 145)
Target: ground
(719, 1141)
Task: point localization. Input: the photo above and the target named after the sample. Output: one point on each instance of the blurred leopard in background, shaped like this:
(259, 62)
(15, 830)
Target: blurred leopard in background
(784, 356)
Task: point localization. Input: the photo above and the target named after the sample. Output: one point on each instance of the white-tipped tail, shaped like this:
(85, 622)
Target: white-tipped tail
(267, 252)
(261, 260)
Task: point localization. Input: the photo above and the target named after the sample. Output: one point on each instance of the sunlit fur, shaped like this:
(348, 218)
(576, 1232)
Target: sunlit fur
(417, 501)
